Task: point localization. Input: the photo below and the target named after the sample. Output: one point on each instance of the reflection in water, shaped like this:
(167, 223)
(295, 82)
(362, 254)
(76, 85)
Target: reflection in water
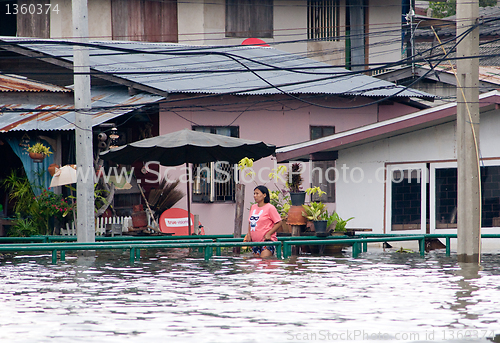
(464, 295)
(178, 296)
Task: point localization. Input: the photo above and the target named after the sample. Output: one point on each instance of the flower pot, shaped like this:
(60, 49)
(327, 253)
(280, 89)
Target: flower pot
(295, 216)
(52, 168)
(320, 228)
(284, 228)
(37, 157)
(298, 198)
(139, 217)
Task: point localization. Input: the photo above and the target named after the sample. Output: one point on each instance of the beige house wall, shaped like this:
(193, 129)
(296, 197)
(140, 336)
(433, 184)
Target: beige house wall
(203, 22)
(384, 31)
(61, 25)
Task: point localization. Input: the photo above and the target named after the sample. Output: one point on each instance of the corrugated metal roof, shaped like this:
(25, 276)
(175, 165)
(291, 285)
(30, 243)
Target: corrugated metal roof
(10, 83)
(489, 74)
(63, 120)
(242, 70)
(488, 25)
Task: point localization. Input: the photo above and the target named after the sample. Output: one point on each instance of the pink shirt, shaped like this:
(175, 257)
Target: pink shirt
(262, 219)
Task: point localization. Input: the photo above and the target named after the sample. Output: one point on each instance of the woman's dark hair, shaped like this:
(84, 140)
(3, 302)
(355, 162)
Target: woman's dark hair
(264, 191)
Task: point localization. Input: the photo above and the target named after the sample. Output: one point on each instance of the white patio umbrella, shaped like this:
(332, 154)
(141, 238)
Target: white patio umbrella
(64, 176)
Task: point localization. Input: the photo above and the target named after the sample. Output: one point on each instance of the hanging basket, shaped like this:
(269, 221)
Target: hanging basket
(37, 157)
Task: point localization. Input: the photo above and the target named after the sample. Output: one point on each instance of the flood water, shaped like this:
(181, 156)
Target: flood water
(176, 296)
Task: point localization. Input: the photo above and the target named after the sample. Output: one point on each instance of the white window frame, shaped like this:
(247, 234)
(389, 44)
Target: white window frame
(390, 168)
(432, 197)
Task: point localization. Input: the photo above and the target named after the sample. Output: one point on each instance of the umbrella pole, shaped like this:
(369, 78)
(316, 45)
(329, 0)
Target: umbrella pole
(188, 199)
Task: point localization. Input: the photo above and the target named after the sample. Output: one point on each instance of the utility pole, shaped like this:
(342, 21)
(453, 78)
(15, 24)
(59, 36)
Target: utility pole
(83, 126)
(469, 188)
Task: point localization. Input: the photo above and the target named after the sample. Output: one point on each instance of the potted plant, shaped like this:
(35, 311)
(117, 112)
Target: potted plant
(281, 202)
(38, 152)
(340, 224)
(294, 184)
(317, 213)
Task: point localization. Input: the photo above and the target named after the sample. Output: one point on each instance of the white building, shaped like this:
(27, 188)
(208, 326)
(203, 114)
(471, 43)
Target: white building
(399, 175)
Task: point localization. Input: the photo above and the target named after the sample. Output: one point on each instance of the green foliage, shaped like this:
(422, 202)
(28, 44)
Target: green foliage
(34, 212)
(53, 205)
(23, 227)
(99, 196)
(449, 8)
(315, 211)
(334, 217)
(20, 191)
(281, 200)
(405, 251)
(39, 148)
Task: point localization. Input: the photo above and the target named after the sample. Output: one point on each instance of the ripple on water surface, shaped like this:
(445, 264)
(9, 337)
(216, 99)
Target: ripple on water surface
(177, 297)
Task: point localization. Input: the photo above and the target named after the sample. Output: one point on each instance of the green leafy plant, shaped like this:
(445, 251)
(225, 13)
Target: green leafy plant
(20, 191)
(99, 197)
(39, 148)
(23, 227)
(405, 251)
(442, 9)
(46, 207)
(341, 224)
(281, 200)
(314, 211)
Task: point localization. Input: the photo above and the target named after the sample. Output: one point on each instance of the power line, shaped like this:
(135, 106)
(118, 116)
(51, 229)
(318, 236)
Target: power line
(278, 87)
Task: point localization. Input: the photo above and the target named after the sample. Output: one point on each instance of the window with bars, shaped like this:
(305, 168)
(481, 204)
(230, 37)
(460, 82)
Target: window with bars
(323, 19)
(323, 172)
(214, 182)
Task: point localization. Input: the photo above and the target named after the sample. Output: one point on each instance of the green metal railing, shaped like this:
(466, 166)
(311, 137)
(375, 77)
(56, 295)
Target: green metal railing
(55, 238)
(355, 242)
(206, 244)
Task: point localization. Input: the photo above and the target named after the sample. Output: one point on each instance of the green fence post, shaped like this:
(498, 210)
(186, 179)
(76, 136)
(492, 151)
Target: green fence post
(132, 255)
(421, 245)
(448, 248)
(63, 255)
(218, 251)
(208, 253)
(365, 247)
(54, 256)
(137, 254)
(278, 251)
(355, 250)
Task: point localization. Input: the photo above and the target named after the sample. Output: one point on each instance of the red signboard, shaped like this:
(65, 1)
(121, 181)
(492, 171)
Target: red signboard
(174, 220)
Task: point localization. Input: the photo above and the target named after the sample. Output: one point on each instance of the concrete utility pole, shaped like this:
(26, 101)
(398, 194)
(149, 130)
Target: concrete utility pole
(83, 126)
(469, 191)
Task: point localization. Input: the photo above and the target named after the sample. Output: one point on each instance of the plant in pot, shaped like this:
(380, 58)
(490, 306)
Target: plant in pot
(340, 224)
(316, 212)
(281, 201)
(294, 184)
(38, 152)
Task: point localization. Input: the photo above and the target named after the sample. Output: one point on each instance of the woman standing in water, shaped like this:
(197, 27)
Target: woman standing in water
(263, 223)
